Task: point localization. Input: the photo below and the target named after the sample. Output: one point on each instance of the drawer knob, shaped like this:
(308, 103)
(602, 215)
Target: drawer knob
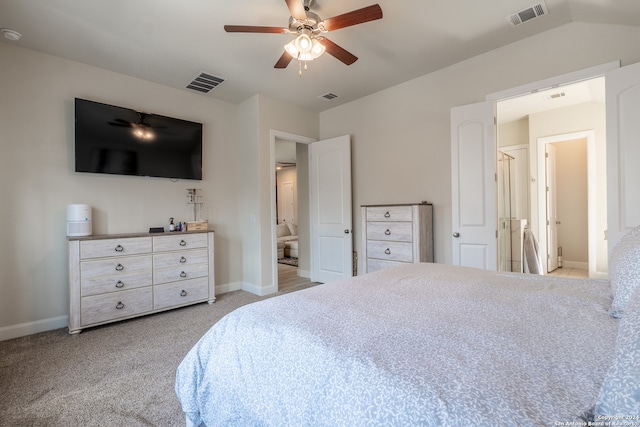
(183, 293)
(387, 232)
(119, 284)
(183, 243)
(119, 305)
(183, 274)
(387, 251)
(183, 260)
(119, 248)
(387, 214)
(119, 267)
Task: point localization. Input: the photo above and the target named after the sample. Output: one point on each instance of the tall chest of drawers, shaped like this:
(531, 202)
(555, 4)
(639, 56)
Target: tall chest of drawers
(113, 278)
(396, 234)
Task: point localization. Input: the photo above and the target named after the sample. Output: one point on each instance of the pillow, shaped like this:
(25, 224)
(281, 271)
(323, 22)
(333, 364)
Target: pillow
(620, 392)
(624, 271)
(282, 230)
(293, 229)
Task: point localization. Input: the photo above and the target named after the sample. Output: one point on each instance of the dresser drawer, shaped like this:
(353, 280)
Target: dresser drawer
(390, 231)
(177, 259)
(390, 251)
(114, 247)
(184, 272)
(389, 213)
(179, 241)
(114, 274)
(116, 305)
(180, 293)
(379, 264)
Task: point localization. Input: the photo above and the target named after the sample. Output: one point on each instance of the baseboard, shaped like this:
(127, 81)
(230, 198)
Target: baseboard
(259, 290)
(228, 287)
(29, 328)
(575, 264)
(304, 273)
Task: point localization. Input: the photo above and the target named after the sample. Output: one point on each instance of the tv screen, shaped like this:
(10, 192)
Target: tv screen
(117, 140)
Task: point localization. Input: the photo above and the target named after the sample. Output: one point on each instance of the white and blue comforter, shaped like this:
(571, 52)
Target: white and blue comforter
(420, 345)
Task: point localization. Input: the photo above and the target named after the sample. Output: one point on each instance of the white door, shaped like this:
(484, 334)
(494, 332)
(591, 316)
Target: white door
(330, 206)
(623, 151)
(286, 203)
(552, 215)
(473, 186)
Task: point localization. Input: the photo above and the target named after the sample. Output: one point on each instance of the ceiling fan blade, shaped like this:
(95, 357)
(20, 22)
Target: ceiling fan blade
(297, 9)
(337, 52)
(284, 60)
(366, 14)
(254, 29)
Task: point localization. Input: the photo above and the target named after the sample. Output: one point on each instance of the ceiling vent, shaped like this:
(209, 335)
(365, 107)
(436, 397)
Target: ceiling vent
(205, 82)
(528, 14)
(329, 96)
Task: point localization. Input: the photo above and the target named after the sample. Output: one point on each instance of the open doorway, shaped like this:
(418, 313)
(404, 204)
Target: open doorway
(572, 120)
(287, 213)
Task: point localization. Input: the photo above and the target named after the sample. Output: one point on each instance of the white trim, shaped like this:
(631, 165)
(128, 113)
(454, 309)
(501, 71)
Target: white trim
(580, 265)
(590, 136)
(261, 291)
(29, 328)
(273, 135)
(552, 82)
(228, 287)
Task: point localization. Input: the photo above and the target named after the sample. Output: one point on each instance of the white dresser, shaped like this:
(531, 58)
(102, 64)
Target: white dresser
(396, 234)
(117, 277)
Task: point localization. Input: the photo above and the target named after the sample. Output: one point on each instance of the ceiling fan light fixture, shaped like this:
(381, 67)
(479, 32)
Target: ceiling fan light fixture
(142, 132)
(304, 48)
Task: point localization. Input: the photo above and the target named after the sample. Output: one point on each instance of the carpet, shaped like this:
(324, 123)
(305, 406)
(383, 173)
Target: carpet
(288, 261)
(120, 374)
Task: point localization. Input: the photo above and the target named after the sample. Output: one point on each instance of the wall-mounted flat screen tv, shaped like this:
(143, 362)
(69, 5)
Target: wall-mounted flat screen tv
(117, 140)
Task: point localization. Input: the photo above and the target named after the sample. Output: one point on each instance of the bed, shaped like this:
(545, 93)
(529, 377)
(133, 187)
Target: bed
(423, 344)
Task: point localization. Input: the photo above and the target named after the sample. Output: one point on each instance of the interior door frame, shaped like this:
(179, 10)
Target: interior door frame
(590, 136)
(286, 136)
(555, 82)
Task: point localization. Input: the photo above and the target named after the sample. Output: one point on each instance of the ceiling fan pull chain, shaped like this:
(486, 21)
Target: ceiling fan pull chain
(300, 68)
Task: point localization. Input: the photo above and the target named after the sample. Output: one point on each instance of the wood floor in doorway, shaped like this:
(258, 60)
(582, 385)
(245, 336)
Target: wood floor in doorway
(288, 278)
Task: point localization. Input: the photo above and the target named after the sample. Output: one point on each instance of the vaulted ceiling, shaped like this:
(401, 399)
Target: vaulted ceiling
(170, 43)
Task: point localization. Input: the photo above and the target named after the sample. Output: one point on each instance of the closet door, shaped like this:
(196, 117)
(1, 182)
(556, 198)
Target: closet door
(623, 151)
(473, 186)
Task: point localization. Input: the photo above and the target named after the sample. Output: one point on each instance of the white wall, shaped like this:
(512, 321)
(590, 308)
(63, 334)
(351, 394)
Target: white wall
(401, 136)
(37, 179)
(258, 116)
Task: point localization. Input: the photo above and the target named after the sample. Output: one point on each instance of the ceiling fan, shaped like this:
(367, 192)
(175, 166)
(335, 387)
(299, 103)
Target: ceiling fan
(309, 44)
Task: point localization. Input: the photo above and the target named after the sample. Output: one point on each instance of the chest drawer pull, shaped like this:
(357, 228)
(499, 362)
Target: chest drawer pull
(119, 305)
(119, 267)
(183, 274)
(387, 214)
(183, 243)
(183, 293)
(119, 284)
(119, 248)
(387, 251)
(387, 232)
(182, 260)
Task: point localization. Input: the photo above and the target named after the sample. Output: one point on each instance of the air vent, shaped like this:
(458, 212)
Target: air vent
(556, 95)
(329, 96)
(205, 82)
(528, 14)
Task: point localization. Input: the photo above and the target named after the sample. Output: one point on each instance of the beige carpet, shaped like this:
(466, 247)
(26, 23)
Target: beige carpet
(121, 374)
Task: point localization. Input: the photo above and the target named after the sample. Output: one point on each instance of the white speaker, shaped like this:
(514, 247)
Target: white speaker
(79, 220)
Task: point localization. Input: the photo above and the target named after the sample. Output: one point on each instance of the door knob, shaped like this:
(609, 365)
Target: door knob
(346, 231)
(456, 234)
